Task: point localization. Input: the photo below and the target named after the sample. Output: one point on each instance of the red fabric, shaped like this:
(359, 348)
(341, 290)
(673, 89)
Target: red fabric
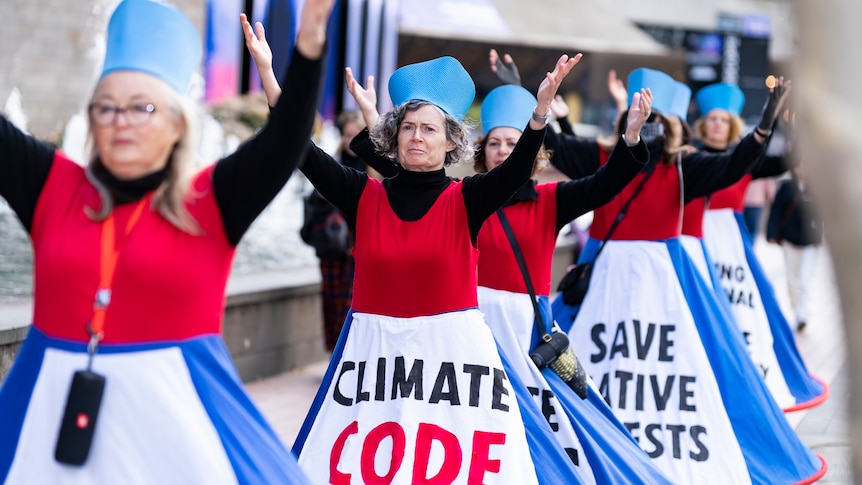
(732, 197)
(168, 285)
(653, 216)
(534, 224)
(409, 269)
(692, 217)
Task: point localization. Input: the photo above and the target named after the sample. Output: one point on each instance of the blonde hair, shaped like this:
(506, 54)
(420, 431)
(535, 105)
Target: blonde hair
(734, 134)
(169, 197)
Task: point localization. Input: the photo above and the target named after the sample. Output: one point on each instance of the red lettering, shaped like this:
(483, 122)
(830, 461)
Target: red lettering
(335, 476)
(452, 455)
(389, 429)
(481, 462)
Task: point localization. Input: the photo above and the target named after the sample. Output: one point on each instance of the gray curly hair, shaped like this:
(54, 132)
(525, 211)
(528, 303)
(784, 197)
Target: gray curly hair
(384, 135)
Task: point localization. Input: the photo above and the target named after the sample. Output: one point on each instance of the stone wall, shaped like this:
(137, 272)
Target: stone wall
(51, 51)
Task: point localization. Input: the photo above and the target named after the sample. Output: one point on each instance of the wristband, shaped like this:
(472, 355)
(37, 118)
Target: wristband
(542, 119)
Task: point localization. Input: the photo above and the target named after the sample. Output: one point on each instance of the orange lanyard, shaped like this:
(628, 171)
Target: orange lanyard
(109, 253)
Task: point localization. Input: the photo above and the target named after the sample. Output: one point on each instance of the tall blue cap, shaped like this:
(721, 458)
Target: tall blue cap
(154, 38)
(681, 100)
(720, 96)
(442, 81)
(508, 105)
(663, 88)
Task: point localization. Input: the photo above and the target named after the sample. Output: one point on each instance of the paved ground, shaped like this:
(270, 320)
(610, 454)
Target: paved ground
(285, 398)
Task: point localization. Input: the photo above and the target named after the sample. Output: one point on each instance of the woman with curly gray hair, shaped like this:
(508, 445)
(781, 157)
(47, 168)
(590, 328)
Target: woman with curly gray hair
(416, 361)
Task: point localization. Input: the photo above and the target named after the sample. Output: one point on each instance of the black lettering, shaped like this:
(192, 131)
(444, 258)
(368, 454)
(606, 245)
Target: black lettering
(649, 432)
(665, 343)
(685, 393)
(739, 272)
(534, 391)
(695, 433)
(380, 389)
(596, 332)
(729, 293)
(661, 397)
(340, 398)
(476, 372)
(740, 297)
(763, 370)
(724, 271)
(620, 345)
(499, 391)
(548, 409)
(624, 377)
(643, 349)
(360, 394)
(400, 381)
(750, 300)
(604, 388)
(445, 377)
(632, 427)
(573, 455)
(639, 393)
(745, 336)
(676, 429)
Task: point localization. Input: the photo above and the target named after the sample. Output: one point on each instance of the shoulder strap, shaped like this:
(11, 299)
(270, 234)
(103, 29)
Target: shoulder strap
(649, 171)
(519, 256)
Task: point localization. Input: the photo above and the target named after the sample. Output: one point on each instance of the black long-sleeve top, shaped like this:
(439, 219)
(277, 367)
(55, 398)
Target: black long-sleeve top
(244, 182)
(411, 194)
(703, 172)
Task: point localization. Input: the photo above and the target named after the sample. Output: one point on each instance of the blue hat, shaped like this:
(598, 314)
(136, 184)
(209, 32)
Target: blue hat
(720, 96)
(154, 38)
(662, 86)
(508, 105)
(442, 81)
(681, 100)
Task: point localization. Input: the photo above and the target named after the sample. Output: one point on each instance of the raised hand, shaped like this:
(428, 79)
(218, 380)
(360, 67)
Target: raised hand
(777, 97)
(559, 108)
(505, 69)
(639, 112)
(312, 27)
(618, 91)
(255, 42)
(548, 89)
(366, 98)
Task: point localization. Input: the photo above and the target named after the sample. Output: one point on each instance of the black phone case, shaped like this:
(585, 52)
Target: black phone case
(79, 419)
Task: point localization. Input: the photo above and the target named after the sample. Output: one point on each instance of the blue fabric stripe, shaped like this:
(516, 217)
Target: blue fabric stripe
(15, 396)
(803, 387)
(255, 451)
(551, 462)
(322, 391)
(613, 454)
(564, 314)
(772, 450)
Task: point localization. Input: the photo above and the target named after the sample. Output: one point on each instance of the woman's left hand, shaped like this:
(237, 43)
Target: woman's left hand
(366, 98)
(551, 83)
(639, 112)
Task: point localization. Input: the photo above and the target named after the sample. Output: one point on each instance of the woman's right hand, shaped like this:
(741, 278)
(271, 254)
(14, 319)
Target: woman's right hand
(366, 98)
(312, 27)
(618, 91)
(639, 112)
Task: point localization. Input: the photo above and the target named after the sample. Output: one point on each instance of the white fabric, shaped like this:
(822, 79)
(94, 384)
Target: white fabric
(801, 262)
(635, 281)
(510, 316)
(178, 444)
(694, 248)
(725, 245)
(459, 338)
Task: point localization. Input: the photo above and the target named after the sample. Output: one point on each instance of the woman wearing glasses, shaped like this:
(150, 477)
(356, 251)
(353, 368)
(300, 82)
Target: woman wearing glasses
(124, 375)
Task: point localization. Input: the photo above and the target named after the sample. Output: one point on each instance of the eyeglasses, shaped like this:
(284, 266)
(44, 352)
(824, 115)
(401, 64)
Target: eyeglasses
(104, 114)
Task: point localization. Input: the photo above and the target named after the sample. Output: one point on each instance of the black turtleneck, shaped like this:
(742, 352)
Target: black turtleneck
(411, 194)
(244, 182)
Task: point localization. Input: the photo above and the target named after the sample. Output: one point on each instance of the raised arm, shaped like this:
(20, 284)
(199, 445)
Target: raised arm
(485, 193)
(247, 180)
(24, 166)
(629, 156)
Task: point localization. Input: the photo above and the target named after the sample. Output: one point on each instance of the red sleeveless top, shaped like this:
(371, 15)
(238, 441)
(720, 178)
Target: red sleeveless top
(692, 217)
(654, 215)
(168, 285)
(732, 197)
(534, 224)
(413, 268)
